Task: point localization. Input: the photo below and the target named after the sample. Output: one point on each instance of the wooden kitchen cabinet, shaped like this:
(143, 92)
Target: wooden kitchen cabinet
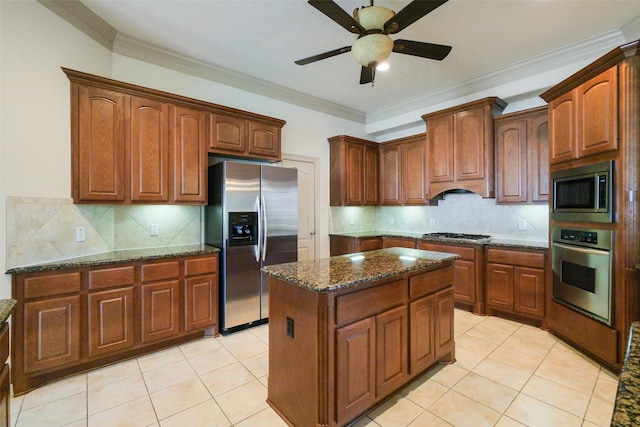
(403, 174)
(522, 152)
(239, 136)
(460, 147)
(189, 156)
(395, 241)
(584, 121)
(468, 277)
(340, 245)
(516, 281)
(74, 319)
(353, 178)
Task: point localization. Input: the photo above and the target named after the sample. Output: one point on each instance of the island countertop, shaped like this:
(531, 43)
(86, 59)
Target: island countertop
(627, 408)
(344, 271)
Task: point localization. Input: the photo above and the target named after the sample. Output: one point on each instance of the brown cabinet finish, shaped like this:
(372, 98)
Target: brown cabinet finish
(98, 144)
(228, 134)
(460, 147)
(264, 140)
(241, 136)
(352, 348)
(516, 281)
(149, 152)
(584, 121)
(414, 171)
(522, 149)
(353, 179)
(72, 320)
(390, 175)
(401, 242)
(189, 156)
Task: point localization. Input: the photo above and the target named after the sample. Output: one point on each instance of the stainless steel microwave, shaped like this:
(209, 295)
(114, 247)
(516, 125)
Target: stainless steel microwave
(584, 193)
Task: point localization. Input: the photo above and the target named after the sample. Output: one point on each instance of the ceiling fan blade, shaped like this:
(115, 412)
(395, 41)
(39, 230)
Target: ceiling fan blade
(410, 14)
(423, 50)
(338, 15)
(367, 75)
(324, 55)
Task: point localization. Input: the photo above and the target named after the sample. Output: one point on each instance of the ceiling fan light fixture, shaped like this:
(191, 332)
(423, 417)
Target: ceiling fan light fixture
(373, 17)
(372, 49)
(384, 66)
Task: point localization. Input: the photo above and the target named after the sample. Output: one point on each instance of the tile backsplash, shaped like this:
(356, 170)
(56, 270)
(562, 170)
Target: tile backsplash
(461, 213)
(43, 229)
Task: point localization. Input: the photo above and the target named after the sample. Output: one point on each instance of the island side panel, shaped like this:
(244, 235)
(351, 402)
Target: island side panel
(297, 326)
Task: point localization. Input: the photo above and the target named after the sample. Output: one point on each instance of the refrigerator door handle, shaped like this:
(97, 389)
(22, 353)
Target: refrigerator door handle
(264, 231)
(256, 248)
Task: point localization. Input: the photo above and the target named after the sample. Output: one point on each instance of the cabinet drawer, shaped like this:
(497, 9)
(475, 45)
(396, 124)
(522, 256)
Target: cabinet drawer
(527, 259)
(159, 271)
(111, 277)
(361, 304)
(467, 253)
(429, 282)
(193, 267)
(4, 343)
(51, 284)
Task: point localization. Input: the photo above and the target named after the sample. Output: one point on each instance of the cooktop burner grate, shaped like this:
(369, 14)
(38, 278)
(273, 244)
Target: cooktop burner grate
(458, 236)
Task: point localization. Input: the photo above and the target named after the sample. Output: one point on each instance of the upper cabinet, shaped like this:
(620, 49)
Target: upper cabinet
(403, 174)
(584, 120)
(353, 171)
(460, 147)
(522, 152)
(132, 144)
(238, 136)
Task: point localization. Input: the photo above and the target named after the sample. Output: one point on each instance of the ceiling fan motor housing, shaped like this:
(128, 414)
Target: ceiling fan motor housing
(373, 17)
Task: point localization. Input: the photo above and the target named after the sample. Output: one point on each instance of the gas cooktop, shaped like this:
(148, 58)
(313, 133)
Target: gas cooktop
(462, 236)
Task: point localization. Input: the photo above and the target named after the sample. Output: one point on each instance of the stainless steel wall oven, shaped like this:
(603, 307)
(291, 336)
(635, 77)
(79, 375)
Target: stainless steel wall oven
(581, 261)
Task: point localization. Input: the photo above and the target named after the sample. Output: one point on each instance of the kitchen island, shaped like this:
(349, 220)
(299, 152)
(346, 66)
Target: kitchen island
(348, 331)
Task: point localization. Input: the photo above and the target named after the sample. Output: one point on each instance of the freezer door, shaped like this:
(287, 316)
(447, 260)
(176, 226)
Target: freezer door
(280, 222)
(240, 285)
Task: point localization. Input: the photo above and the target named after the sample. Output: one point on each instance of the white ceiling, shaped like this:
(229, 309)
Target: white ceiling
(259, 40)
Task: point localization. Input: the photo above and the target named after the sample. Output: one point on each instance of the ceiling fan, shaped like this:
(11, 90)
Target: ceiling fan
(373, 24)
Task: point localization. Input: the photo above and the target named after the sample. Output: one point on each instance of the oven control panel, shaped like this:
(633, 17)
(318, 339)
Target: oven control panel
(579, 236)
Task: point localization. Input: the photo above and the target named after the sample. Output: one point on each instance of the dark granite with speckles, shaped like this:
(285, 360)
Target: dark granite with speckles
(627, 409)
(6, 308)
(118, 257)
(344, 271)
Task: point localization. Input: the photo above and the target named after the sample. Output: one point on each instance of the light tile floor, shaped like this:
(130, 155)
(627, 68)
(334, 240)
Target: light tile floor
(506, 375)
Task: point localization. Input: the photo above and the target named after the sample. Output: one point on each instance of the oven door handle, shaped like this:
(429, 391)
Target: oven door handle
(588, 251)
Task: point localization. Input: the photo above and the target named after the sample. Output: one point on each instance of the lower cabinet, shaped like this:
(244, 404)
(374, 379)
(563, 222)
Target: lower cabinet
(72, 320)
(5, 386)
(516, 282)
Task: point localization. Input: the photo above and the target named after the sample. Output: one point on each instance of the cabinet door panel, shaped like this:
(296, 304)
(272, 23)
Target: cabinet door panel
(189, 155)
(422, 333)
(444, 337)
(370, 176)
(264, 140)
(464, 281)
(355, 369)
(511, 156)
(414, 180)
(355, 174)
(598, 118)
(201, 296)
(228, 134)
(538, 152)
(52, 333)
(160, 310)
(100, 163)
(5, 396)
(391, 350)
(440, 134)
(562, 124)
(111, 322)
(529, 291)
(390, 169)
(500, 286)
(469, 145)
(149, 144)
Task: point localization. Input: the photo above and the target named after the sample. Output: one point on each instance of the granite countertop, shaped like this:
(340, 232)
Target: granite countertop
(510, 243)
(626, 412)
(6, 308)
(344, 271)
(118, 257)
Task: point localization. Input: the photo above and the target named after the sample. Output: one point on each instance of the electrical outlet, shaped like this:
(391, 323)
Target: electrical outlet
(522, 224)
(391, 220)
(351, 221)
(153, 229)
(80, 234)
(432, 222)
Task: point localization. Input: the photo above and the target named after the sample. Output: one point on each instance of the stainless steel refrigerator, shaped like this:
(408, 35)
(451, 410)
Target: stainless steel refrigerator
(252, 217)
